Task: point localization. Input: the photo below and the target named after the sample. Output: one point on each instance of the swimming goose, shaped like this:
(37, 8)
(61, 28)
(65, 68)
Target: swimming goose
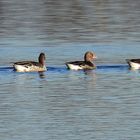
(30, 66)
(86, 64)
(134, 63)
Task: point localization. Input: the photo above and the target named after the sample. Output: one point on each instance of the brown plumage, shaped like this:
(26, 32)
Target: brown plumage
(86, 64)
(29, 66)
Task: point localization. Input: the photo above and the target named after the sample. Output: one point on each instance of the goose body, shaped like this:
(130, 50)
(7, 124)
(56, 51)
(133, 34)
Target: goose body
(30, 66)
(134, 63)
(86, 64)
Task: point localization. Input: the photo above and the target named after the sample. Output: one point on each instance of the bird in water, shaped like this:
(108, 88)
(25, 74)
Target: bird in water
(87, 64)
(133, 63)
(30, 66)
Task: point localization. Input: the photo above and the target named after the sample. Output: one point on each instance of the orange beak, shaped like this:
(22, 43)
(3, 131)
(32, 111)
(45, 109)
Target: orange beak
(94, 57)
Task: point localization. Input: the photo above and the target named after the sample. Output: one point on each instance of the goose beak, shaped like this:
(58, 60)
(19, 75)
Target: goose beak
(94, 57)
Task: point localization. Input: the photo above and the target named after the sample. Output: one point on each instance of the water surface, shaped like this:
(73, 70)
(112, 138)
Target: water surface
(59, 104)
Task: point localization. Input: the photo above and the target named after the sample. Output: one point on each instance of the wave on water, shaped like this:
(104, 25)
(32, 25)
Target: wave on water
(115, 66)
(64, 69)
(6, 68)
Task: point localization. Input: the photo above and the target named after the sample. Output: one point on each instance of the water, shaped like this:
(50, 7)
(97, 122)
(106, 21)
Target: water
(59, 104)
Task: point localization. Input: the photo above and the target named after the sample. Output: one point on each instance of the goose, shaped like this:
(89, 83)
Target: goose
(30, 66)
(85, 65)
(134, 63)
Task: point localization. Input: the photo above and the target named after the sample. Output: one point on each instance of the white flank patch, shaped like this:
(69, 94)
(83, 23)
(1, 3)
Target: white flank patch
(134, 65)
(74, 67)
(20, 68)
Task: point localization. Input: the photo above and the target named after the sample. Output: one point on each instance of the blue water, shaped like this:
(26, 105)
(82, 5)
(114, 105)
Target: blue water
(61, 104)
(64, 104)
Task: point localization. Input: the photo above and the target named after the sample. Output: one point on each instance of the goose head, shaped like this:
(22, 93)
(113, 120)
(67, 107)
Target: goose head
(89, 56)
(42, 59)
